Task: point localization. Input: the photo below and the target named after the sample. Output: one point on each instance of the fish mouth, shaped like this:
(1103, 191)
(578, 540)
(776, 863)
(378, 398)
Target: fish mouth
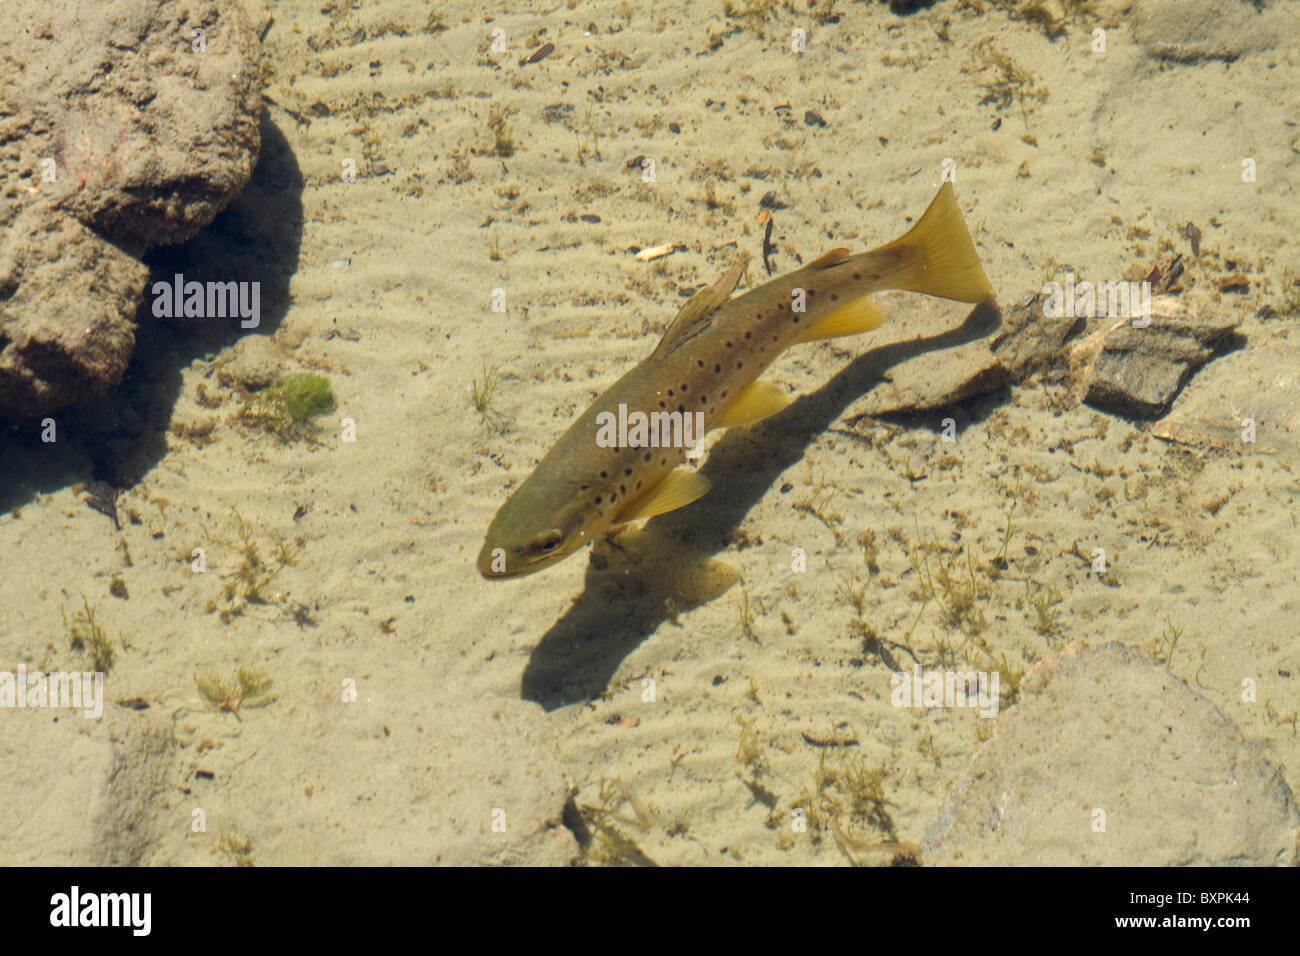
(485, 562)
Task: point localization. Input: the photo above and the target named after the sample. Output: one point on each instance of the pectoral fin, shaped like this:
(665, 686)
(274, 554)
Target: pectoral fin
(758, 401)
(856, 317)
(677, 490)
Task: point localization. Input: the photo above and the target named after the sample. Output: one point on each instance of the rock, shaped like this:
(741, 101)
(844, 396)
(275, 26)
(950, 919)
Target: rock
(1138, 371)
(929, 363)
(121, 136)
(49, 812)
(389, 780)
(66, 302)
(1106, 731)
(1030, 341)
(254, 364)
(1194, 30)
(392, 779)
(1248, 402)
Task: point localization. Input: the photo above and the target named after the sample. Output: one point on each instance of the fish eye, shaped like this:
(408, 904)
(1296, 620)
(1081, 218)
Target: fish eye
(547, 541)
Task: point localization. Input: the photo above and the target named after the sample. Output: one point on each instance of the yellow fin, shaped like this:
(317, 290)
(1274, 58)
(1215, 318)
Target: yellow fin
(760, 400)
(948, 265)
(863, 315)
(694, 316)
(677, 490)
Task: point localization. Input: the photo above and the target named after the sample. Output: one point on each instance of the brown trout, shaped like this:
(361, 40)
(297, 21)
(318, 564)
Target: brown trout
(618, 461)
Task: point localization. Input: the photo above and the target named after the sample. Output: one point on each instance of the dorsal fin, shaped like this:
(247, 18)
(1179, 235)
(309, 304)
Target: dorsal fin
(694, 316)
(832, 258)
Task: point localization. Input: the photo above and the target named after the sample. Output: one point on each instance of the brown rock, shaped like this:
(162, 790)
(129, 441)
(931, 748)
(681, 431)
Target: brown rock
(1138, 371)
(122, 136)
(1031, 341)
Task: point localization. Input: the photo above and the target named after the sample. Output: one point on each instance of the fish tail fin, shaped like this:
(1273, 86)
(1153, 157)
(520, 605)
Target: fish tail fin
(947, 265)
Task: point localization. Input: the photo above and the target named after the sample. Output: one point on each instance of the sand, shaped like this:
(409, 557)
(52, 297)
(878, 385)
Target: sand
(696, 701)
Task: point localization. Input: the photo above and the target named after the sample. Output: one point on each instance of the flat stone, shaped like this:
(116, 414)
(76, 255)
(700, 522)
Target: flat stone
(389, 780)
(924, 371)
(1247, 401)
(1110, 760)
(1138, 371)
(1193, 30)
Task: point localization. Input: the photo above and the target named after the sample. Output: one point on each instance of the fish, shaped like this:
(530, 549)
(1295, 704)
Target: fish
(619, 461)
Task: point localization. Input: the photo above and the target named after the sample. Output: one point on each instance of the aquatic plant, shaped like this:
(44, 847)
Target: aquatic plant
(250, 687)
(287, 408)
(86, 634)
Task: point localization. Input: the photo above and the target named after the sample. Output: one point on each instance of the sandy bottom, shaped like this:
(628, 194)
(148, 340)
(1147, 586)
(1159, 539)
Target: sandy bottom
(698, 689)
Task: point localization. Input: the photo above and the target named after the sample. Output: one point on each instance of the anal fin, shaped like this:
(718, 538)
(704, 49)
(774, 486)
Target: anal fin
(861, 315)
(676, 490)
(760, 400)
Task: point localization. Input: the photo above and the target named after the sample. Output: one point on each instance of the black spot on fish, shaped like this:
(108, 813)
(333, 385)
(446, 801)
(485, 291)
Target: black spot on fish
(662, 405)
(740, 365)
(724, 393)
(681, 408)
(622, 489)
(703, 399)
(700, 362)
(604, 474)
(627, 472)
(683, 388)
(638, 486)
(834, 297)
(648, 455)
(670, 393)
(598, 499)
(717, 368)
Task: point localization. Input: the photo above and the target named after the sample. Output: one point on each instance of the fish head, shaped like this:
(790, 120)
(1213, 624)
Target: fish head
(541, 524)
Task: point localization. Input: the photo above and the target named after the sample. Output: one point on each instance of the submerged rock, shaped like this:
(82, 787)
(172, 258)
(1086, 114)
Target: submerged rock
(1109, 759)
(1247, 402)
(1031, 341)
(124, 130)
(1138, 371)
(1194, 30)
